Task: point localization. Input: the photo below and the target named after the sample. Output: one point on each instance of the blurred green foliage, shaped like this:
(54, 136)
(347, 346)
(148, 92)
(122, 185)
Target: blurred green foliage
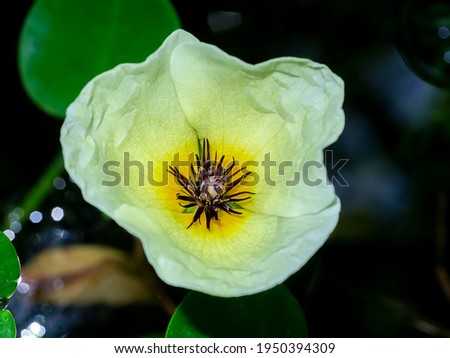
(64, 44)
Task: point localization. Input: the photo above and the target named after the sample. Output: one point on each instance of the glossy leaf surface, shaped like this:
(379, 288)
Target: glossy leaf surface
(273, 313)
(9, 268)
(7, 325)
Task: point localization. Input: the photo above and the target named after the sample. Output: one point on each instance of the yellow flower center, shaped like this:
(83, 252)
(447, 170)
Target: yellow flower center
(211, 187)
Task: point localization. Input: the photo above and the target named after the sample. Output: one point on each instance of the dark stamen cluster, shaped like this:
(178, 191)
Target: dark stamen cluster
(209, 186)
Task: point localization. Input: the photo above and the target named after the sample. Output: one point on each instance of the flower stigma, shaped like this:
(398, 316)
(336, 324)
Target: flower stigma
(210, 186)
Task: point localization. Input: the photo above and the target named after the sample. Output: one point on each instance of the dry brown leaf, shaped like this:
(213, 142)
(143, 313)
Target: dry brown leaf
(89, 274)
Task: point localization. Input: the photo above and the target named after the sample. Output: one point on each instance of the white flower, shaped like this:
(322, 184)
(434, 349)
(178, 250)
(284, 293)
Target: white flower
(129, 138)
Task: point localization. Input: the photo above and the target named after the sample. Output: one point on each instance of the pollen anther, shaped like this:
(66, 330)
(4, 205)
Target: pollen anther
(209, 185)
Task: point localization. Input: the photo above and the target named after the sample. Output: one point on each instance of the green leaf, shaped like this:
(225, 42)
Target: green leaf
(64, 44)
(273, 313)
(7, 325)
(9, 268)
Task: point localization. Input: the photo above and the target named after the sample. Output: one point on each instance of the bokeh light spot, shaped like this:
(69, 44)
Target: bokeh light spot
(444, 32)
(57, 213)
(36, 217)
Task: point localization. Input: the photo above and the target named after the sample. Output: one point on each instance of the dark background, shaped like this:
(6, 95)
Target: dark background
(384, 271)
